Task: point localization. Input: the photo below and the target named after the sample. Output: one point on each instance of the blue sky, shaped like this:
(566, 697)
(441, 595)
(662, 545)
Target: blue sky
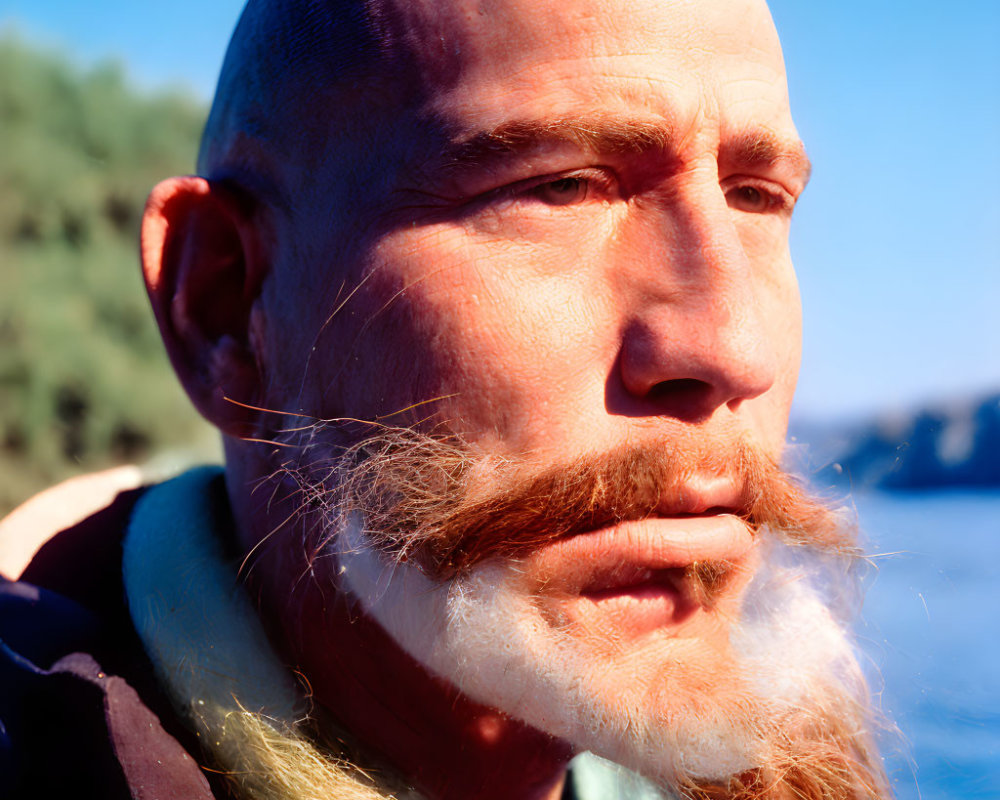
(897, 240)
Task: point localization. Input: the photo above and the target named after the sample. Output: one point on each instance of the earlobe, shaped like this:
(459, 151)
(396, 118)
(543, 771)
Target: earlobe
(203, 265)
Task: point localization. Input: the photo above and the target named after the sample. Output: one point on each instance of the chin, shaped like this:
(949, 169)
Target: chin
(731, 694)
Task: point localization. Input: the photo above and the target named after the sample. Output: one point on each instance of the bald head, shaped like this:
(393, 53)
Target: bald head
(302, 77)
(282, 69)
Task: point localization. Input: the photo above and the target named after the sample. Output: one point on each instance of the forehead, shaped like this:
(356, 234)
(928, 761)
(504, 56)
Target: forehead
(482, 62)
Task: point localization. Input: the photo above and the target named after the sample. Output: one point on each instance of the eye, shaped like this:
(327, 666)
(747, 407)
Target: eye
(750, 199)
(583, 186)
(561, 192)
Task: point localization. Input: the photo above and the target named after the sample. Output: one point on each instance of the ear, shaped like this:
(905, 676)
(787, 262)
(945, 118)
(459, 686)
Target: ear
(203, 265)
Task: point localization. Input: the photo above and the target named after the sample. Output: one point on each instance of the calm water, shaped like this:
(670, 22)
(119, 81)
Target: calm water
(932, 626)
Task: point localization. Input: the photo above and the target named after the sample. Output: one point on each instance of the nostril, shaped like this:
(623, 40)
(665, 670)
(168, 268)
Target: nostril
(687, 399)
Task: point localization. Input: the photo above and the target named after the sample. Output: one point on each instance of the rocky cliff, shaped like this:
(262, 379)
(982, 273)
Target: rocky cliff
(949, 445)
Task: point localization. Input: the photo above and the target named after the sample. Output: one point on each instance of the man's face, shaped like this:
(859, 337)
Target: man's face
(598, 256)
(569, 237)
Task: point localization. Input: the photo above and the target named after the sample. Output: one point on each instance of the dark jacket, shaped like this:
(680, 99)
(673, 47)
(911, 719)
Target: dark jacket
(81, 714)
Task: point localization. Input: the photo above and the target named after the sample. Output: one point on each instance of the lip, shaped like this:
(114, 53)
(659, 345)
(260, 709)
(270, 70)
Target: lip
(633, 577)
(658, 543)
(704, 496)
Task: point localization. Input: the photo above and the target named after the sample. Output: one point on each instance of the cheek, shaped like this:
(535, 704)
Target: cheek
(781, 310)
(499, 331)
(765, 242)
(787, 315)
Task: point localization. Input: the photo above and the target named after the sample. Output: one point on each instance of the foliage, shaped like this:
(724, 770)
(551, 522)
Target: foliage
(84, 381)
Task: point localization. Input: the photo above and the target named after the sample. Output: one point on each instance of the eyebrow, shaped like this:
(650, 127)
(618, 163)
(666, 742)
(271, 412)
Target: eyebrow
(760, 147)
(753, 147)
(517, 137)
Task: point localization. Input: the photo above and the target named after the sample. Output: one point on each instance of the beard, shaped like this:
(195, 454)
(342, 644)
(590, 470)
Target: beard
(436, 542)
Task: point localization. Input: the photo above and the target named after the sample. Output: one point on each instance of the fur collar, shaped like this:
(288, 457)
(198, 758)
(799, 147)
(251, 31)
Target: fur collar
(210, 652)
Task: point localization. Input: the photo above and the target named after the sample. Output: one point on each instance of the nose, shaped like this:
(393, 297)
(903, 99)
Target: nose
(694, 337)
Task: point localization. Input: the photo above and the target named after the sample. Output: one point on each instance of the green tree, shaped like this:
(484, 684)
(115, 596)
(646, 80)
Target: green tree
(84, 381)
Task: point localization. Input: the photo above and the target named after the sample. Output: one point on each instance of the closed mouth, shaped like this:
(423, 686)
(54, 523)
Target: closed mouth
(638, 576)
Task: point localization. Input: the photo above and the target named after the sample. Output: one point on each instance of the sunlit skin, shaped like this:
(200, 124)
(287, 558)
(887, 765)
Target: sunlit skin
(555, 244)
